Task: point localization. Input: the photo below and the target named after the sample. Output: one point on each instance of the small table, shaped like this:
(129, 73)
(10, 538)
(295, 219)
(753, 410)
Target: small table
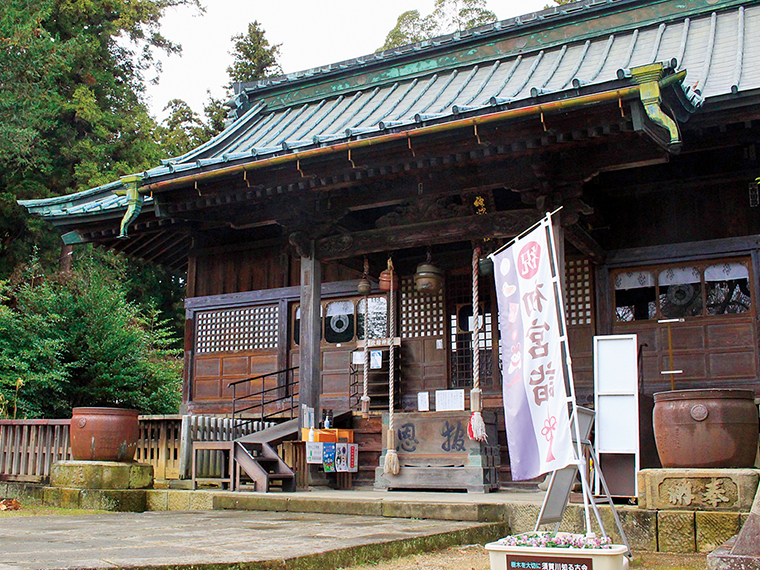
(226, 447)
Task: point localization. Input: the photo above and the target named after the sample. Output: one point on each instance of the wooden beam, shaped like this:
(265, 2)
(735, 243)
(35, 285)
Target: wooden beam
(584, 243)
(496, 225)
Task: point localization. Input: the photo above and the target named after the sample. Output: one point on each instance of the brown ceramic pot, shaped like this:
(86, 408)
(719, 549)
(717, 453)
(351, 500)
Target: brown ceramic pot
(706, 428)
(104, 434)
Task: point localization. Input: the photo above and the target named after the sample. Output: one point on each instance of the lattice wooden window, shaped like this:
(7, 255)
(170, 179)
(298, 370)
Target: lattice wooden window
(578, 280)
(252, 328)
(421, 315)
(459, 289)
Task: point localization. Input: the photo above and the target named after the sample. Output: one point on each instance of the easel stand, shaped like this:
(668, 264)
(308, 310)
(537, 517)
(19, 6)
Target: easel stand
(562, 481)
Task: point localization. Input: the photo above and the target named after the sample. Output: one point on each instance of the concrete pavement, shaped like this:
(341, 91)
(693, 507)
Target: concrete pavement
(223, 539)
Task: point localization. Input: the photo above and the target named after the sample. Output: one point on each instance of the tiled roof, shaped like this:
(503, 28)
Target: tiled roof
(100, 200)
(714, 47)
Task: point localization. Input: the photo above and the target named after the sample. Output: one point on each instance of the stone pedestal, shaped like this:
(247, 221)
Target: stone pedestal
(742, 552)
(435, 453)
(101, 475)
(731, 490)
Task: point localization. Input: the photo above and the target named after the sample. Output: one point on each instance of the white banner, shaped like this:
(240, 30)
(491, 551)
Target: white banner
(535, 401)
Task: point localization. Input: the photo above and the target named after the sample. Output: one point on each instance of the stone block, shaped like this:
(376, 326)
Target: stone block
(713, 529)
(90, 475)
(676, 531)
(178, 500)
(101, 499)
(491, 513)
(521, 517)
(201, 501)
(3, 490)
(71, 498)
(140, 476)
(156, 500)
(640, 527)
(52, 496)
(245, 502)
(572, 521)
(336, 506)
(134, 501)
(440, 511)
(698, 489)
(26, 493)
(116, 500)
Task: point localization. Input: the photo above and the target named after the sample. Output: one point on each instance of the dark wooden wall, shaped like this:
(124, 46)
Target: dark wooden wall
(237, 269)
(688, 214)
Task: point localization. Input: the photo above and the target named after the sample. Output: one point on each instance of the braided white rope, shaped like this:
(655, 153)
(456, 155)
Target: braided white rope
(391, 465)
(477, 427)
(476, 321)
(391, 353)
(365, 393)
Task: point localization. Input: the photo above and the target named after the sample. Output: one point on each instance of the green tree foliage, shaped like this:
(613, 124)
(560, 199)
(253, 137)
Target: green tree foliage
(254, 57)
(184, 130)
(72, 115)
(410, 28)
(154, 288)
(74, 339)
(447, 17)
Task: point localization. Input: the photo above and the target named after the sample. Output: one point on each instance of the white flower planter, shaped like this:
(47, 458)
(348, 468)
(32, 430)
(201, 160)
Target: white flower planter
(549, 558)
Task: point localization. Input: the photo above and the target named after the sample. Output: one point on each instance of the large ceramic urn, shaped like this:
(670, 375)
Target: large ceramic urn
(706, 428)
(104, 434)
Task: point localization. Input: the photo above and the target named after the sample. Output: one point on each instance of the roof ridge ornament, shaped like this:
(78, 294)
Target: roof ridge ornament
(648, 78)
(135, 201)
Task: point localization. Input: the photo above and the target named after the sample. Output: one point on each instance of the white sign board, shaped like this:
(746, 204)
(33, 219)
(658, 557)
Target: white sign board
(616, 401)
(423, 402)
(314, 452)
(449, 400)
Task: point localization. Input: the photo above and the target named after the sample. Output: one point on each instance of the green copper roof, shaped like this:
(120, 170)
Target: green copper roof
(556, 54)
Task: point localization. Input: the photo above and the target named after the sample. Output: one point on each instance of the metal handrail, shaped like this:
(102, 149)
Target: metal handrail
(291, 392)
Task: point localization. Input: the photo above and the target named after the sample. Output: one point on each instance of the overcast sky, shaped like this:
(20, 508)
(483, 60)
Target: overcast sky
(312, 33)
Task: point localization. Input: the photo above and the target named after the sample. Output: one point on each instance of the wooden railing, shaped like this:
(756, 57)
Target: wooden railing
(210, 428)
(28, 448)
(159, 445)
(267, 402)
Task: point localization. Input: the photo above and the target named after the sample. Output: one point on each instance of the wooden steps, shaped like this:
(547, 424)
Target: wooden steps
(368, 434)
(263, 466)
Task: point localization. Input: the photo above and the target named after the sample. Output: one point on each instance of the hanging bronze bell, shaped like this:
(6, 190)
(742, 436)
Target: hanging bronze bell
(364, 286)
(428, 279)
(386, 276)
(485, 266)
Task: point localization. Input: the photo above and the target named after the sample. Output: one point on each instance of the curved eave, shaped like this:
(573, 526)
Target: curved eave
(621, 90)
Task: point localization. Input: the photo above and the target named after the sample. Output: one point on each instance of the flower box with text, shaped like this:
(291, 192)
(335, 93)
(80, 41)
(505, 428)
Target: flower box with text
(561, 551)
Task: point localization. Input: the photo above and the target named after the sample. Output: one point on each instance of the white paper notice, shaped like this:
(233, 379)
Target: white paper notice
(375, 359)
(314, 452)
(449, 400)
(423, 402)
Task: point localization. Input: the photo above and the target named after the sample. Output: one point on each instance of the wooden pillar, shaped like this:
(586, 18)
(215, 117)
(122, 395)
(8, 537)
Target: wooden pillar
(310, 379)
(64, 261)
(189, 360)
